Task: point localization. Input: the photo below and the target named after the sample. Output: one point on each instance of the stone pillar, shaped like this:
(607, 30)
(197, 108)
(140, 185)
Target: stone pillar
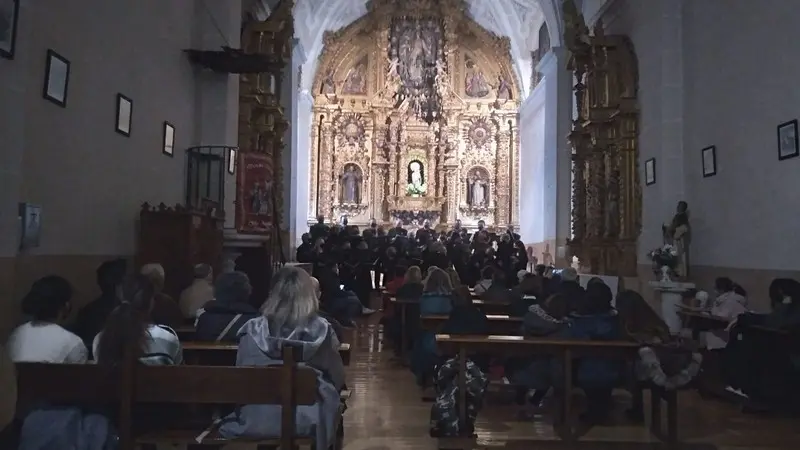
(217, 95)
(557, 156)
(297, 177)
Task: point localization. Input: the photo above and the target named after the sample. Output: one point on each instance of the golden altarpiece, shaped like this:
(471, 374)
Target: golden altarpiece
(372, 156)
(607, 197)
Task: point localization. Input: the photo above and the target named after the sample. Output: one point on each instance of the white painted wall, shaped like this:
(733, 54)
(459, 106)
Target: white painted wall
(718, 72)
(532, 149)
(89, 179)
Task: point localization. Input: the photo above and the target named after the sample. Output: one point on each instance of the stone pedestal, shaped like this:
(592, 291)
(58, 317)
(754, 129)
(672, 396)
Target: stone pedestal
(671, 293)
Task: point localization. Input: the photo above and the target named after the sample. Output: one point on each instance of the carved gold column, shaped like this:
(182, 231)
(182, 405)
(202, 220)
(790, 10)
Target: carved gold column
(315, 152)
(326, 169)
(502, 188)
(515, 153)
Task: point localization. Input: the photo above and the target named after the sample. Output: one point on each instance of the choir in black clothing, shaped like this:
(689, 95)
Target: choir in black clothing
(361, 257)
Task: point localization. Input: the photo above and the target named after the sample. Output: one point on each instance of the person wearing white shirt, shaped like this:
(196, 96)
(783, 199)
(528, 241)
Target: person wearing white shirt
(727, 305)
(43, 339)
(130, 327)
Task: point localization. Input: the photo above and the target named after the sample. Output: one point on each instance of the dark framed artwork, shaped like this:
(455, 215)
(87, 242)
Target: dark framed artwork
(9, 18)
(232, 160)
(31, 225)
(787, 140)
(169, 139)
(650, 172)
(709, 158)
(56, 79)
(124, 115)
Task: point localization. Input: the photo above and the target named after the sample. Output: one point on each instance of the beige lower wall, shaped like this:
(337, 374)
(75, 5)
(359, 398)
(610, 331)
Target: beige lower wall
(18, 273)
(549, 246)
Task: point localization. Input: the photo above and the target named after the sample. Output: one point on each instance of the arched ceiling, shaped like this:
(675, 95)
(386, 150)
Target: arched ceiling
(519, 20)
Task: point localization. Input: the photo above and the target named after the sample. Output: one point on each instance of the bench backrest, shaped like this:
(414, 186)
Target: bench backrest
(87, 384)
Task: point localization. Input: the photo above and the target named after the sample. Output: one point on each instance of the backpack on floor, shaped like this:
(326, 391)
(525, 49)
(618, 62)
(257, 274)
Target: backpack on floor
(444, 412)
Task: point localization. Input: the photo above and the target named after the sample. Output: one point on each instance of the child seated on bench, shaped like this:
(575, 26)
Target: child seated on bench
(289, 318)
(596, 320)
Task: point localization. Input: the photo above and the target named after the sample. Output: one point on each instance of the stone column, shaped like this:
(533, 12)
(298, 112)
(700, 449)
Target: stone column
(557, 157)
(298, 179)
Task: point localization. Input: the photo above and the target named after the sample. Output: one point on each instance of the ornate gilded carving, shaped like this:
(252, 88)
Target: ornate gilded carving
(407, 164)
(606, 206)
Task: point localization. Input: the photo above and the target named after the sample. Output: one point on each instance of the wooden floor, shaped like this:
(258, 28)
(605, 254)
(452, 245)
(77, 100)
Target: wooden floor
(386, 412)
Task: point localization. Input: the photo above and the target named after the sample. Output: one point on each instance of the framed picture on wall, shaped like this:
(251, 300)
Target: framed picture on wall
(9, 17)
(709, 156)
(232, 160)
(31, 224)
(650, 171)
(169, 139)
(56, 79)
(787, 140)
(124, 115)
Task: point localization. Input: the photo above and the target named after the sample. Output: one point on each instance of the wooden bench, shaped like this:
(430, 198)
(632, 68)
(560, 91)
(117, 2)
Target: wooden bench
(502, 324)
(567, 351)
(137, 385)
(187, 333)
(700, 322)
(224, 354)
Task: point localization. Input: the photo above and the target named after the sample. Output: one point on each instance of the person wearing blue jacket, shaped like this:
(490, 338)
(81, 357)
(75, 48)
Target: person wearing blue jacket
(596, 320)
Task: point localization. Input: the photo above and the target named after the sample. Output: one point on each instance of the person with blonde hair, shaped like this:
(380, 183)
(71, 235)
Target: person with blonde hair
(290, 317)
(166, 310)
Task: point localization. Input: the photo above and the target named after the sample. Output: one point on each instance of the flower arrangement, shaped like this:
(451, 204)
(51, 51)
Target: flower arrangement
(666, 256)
(415, 190)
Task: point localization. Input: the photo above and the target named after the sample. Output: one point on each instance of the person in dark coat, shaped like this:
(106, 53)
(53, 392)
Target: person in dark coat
(92, 317)
(571, 289)
(221, 318)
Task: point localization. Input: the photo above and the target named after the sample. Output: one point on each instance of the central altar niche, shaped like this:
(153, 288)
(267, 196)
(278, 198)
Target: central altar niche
(415, 118)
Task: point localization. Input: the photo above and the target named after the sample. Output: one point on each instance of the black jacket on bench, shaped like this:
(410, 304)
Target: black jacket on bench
(217, 315)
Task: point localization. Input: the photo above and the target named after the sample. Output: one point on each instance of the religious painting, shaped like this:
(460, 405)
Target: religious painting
(475, 83)
(415, 45)
(650, 172)
(503, 89)
(416, 178)
(356, 81)
(350, 185)
(478, 187)
(254, 199)
(9, 16)
(56, 78)
(31, 224)
(787, 140)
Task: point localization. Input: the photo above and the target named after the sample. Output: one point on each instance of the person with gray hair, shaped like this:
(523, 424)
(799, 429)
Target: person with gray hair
(220, 319)
(289, 317)
(200, 292)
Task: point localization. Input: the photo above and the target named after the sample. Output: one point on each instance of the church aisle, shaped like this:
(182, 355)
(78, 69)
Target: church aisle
(385, 412)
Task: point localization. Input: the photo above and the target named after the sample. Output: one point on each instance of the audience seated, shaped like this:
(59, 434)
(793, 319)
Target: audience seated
(759, 366)
(131, 328)
(397, 279)
(465, 317)
(536, 373)
(200, 292)
(436, 299)
(498, 291)
(455, 279)
(526, 293)
(221, 318)
(340, 304)
(43, 339)
(165, 309)
(486, 280)
(337, 327)
(596, 319)
(664, 359)
(289, 317)
(571, 289)
(92, 317)
(728, 304)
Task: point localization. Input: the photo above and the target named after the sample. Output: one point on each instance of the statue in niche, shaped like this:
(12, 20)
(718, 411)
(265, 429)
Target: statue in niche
(678, 233)
(350, 185)
(416, 178)
(356, 81)
(478, 189)
(475, 84)
(328, 86)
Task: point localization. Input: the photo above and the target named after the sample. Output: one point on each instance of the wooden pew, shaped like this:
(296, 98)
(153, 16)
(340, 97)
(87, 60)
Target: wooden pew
(93, 385)
(567, 351)
(186, 333)
(502, 324)
(700, 322)
(224, 354)
(491, 307)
